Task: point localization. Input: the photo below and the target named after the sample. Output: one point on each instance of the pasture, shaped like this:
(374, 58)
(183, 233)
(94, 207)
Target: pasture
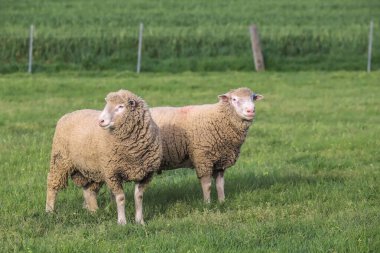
(308, 178)
(187, 35)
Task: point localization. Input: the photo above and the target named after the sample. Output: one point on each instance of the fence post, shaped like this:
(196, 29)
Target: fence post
(139, 49)
(256, 49)
(370, 36)
(30, 49)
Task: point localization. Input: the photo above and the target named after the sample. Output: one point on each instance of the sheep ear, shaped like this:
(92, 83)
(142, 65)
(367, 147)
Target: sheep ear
(224, 97)
(258, 97)
(132, 103)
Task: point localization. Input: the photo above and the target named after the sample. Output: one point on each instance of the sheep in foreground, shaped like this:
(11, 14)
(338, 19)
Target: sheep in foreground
(206, 137)
(120, 143)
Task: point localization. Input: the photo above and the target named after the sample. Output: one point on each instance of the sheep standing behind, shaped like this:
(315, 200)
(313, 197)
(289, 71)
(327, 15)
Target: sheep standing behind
(206, 137)
(120, 143)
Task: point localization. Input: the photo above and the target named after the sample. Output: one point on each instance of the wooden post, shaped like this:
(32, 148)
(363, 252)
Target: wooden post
(256, 49)
(370, 36)
(30, 49)
(139, 49)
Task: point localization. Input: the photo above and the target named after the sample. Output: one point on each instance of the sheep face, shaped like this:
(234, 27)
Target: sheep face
(119, 105)
(242, 101)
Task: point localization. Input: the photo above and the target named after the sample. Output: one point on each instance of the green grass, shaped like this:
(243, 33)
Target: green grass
(308, 178)
(187, 35)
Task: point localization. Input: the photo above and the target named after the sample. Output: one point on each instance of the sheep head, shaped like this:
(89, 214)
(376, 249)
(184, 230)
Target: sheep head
(242, 100)
(119, 106)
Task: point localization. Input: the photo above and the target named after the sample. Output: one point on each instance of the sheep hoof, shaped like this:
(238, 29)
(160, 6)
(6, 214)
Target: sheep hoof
(49, 209)
(122, 222)
(89, 208)
(140, 222)
(92, 210)
(207, 201)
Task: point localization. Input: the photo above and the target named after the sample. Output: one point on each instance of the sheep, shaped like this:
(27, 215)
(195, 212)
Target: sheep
(120, 143)
(206, 137)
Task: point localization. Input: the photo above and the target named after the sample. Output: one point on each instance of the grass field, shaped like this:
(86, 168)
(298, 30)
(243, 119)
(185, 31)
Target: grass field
(188, 35)
(308, 178)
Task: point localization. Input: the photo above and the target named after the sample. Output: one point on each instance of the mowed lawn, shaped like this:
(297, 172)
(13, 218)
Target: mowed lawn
(307, 180)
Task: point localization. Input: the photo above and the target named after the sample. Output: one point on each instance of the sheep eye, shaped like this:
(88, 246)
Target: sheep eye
(234, 99)
(119, 107)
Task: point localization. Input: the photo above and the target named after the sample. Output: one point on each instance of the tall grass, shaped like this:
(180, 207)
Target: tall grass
(181, 35)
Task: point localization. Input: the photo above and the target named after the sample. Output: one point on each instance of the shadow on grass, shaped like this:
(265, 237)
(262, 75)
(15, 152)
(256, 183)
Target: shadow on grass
(163, 196)
(177, 194)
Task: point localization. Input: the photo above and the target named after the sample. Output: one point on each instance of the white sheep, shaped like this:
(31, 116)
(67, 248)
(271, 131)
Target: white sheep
(120, 143)
(206, 137)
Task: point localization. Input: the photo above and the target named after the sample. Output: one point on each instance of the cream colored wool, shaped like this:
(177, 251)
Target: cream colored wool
(205, 137)
(128, 151)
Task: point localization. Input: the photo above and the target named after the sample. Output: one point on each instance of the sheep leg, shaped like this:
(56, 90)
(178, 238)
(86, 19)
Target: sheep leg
(139, 191)
(56, 180)
(120, 202)
(90, 202)
(50, 200)
(206, 188)
(112, 197)
(116, 187)
(90, 190)
(219, 181)
(90, 193)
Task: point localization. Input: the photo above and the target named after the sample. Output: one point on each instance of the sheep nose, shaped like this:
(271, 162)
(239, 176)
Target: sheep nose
(101, 122)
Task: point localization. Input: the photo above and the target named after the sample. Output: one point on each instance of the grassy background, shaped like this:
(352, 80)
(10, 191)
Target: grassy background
(307, 180)
(188, 35)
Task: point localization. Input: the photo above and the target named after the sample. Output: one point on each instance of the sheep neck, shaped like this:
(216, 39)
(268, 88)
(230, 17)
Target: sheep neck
(236, 125)
(132, 128)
